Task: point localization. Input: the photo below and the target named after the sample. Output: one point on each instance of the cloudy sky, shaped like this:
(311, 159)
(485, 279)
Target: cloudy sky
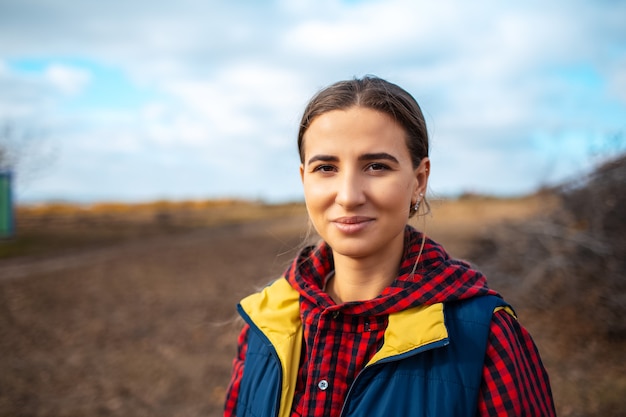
(143, 100)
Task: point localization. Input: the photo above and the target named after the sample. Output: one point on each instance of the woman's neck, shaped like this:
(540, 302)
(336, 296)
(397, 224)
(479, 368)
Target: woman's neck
(361, 279)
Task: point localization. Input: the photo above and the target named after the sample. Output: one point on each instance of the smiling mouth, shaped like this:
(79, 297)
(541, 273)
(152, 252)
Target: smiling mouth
(352, 224)
(352, 220)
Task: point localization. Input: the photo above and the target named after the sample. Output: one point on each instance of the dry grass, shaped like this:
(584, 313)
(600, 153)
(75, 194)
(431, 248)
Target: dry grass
(56, 228)
(458, 222)
(184, 214)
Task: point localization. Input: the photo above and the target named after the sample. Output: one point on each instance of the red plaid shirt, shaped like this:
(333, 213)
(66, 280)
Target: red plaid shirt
(339, 340)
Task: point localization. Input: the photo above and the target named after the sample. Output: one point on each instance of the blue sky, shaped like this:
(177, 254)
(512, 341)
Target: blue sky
(138, 100)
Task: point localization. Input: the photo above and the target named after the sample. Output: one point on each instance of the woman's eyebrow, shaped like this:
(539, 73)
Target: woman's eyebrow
(323, 158)
(378, 156)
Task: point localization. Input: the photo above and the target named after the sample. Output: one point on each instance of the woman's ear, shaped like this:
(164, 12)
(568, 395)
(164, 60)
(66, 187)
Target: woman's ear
(421, 175)
(302, 172)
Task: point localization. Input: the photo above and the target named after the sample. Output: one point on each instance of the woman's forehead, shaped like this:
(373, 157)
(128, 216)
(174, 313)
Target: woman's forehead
(354, 132)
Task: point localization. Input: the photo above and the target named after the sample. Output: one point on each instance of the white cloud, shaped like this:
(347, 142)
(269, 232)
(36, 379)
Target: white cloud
(242, 100)
(67, 79)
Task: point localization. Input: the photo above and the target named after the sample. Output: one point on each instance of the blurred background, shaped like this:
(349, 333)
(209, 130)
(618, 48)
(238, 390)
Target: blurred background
(149, 180)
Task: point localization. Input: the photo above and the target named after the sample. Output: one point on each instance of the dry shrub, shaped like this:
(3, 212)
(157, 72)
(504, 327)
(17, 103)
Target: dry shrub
(573, 257)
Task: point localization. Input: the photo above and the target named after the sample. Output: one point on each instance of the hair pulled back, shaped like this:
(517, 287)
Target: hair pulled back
(376, 94)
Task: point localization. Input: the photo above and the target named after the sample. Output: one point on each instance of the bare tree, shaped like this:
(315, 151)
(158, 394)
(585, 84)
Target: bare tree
(23, 150)
(9, 146)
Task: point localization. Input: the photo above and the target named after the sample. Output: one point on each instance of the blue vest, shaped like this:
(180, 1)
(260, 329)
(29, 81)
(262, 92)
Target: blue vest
(439, 377)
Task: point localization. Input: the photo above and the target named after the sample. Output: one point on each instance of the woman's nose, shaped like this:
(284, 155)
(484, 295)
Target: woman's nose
(350, 192)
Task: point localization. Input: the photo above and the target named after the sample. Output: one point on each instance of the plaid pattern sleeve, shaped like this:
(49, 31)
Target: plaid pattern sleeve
(515, 382)
(235, 379)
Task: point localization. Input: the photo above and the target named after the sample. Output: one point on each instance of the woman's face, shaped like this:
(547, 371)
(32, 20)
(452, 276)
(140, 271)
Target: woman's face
(359, 182)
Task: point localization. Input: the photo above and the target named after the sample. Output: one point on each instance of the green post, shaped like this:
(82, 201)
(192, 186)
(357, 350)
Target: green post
(7, 225)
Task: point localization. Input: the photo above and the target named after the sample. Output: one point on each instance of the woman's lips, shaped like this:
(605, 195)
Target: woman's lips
(352, 224)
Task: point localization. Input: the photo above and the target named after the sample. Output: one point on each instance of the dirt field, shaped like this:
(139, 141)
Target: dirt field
(130, 314)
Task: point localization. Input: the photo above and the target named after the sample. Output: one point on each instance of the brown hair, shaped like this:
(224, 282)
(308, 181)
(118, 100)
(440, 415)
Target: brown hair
(377, 94)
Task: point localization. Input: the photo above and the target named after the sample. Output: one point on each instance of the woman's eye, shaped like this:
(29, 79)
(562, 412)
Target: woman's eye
(324, 168)
(377, 167)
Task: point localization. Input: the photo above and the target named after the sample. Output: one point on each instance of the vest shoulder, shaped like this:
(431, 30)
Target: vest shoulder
(478, 309)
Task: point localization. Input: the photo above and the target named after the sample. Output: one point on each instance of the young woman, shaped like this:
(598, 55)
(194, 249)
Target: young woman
(377, 319)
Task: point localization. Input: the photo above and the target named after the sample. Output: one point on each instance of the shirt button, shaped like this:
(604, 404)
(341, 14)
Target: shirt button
(323, 385)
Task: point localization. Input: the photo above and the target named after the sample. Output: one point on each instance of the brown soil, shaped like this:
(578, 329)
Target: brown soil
(105, 317)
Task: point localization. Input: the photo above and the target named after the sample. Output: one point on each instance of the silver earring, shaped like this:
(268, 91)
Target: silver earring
(416, 207)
